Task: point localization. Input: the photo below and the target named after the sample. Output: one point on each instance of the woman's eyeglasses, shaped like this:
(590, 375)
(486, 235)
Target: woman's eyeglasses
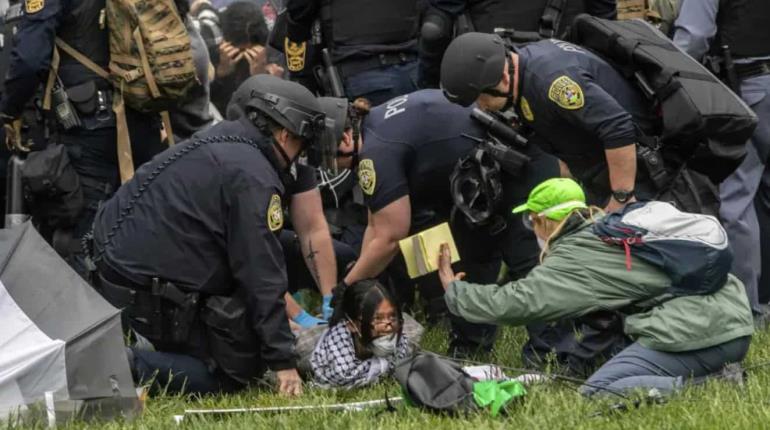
(393, 321)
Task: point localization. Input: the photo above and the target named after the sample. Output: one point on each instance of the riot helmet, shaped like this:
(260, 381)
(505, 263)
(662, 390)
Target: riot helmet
(473, 64)
(287, 103)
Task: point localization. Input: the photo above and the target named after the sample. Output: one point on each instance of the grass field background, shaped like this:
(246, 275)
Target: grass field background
(550, 406)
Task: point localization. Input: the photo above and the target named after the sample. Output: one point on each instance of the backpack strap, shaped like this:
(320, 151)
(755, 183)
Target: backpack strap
(549, 22)
(52, 74)
(125, 158)
(82, 59)
(166, 119)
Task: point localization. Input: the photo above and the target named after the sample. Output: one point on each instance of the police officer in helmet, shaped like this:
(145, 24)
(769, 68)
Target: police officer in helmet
(189, 247)
(582, 110)
(407, 153)
(312, 257)
(527, 19)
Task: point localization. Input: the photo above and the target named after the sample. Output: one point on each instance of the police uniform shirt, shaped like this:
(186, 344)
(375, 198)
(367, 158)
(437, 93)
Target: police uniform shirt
(578, 103)
(208, 222)
(306, 180)
(410, 147)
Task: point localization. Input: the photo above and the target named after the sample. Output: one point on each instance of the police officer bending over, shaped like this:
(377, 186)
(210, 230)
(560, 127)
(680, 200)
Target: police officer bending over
(589, 115)
(409, 149)
(309, 239)
(189, 247)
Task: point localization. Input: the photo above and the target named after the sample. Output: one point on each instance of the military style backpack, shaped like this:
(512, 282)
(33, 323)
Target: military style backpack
(151, 64)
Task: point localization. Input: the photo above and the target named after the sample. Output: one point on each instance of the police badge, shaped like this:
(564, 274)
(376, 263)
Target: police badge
(275, 213)
(566, 93)
(295, 55)
(367, 177)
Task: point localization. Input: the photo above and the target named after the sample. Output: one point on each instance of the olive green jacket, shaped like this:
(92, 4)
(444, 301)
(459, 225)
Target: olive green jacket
(582, 274)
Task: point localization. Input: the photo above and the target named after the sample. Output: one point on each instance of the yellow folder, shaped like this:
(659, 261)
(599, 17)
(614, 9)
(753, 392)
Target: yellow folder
(421, 250)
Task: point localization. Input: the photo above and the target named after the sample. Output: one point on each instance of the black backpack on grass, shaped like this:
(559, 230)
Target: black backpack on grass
(436, 384)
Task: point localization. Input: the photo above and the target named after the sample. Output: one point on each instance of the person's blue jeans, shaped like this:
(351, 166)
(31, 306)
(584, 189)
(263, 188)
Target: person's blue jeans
(177, 373)
(637, 367)
(382, 84)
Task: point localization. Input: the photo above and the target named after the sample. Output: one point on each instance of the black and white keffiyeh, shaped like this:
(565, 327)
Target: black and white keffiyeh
(335, 364)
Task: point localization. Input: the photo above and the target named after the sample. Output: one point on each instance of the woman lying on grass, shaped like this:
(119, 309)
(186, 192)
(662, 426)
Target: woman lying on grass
(685, 337)
(364, 340)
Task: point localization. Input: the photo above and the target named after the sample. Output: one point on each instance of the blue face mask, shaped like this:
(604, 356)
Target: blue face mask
(384, 346)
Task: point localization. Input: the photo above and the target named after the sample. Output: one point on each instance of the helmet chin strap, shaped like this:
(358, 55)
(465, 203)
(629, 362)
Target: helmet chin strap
(509, 101)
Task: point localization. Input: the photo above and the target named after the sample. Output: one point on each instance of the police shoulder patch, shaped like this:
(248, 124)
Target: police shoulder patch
(275, 213)
(367, 177)
(33, 6)
(566, 93)
(526, 111)
(295, 55)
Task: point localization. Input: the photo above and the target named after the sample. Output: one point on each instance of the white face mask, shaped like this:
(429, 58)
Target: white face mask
(540, 243)
(384, 346)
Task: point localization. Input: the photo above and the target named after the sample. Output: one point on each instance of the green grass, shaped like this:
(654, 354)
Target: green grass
(715, 405)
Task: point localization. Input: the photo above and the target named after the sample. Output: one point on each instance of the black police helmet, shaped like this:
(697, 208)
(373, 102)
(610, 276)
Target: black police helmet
(236, 108)
(287, 103)
(324, 154)
(472, 63)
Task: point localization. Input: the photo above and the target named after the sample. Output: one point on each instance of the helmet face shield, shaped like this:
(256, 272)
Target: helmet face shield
(324, 154)
(307, 124)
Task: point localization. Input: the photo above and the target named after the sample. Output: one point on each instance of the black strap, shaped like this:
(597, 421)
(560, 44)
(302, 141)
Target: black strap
(549, 22)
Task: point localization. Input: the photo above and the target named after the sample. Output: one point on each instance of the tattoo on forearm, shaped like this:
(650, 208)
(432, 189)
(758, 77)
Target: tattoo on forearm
(311, 263)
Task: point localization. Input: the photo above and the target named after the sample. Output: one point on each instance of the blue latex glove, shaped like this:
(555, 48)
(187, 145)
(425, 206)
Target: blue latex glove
(327, 308)
(305, 320)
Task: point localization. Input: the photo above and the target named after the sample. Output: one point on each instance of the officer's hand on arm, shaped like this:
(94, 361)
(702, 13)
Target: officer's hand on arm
(386, 227)
(445, 272)
(289, 382)
(622, 167)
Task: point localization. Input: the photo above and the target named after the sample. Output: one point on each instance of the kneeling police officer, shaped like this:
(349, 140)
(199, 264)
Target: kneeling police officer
(189, 248)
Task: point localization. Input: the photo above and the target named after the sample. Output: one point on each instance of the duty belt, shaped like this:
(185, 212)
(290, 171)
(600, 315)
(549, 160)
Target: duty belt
(354, 66)
(757, 68)
(161, 311)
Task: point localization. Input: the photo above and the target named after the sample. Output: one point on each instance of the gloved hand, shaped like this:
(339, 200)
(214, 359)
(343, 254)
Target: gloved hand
(305, 320)
(326, 308)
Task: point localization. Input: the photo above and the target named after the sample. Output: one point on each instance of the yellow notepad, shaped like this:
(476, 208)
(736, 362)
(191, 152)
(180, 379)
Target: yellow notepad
(421, 250)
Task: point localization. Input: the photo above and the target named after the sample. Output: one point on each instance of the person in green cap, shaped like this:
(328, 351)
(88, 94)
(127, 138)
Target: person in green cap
(685, 337)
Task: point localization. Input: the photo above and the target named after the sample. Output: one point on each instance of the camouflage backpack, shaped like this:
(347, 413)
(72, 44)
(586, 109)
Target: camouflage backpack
(151, 60)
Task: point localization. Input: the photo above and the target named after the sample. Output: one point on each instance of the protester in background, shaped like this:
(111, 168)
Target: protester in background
(242, 52)
(684, 337)
(365, 338)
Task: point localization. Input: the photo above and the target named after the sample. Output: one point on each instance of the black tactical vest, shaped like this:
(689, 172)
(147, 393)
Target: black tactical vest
(82, 30)
(519, 15)
(744, 26)
(375, 23)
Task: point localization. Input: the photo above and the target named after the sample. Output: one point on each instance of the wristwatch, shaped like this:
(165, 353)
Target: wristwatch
(622, 196)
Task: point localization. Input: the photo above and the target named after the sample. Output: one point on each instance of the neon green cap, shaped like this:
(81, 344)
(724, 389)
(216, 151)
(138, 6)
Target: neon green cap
(554, 199)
